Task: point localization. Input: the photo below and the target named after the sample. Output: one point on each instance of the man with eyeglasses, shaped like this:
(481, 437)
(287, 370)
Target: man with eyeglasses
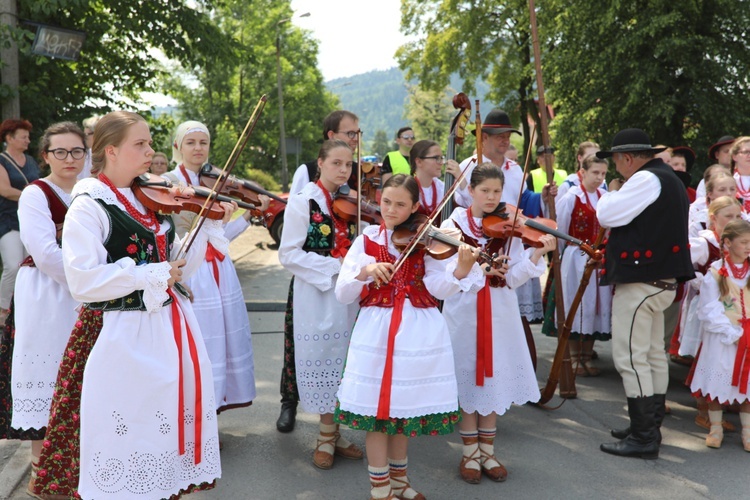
(397, 162)
(342, 125)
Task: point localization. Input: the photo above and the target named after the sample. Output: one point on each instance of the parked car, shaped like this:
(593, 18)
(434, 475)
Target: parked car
(274, 218)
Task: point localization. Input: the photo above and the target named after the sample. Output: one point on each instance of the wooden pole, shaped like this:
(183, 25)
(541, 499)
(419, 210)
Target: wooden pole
(9, 73)
(567, 381)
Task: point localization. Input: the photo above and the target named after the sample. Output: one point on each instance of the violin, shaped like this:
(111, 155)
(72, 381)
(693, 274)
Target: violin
(160, 195)
(507, 220)
(345, 206)
(437, 243)
(498, 224)
(242, 189)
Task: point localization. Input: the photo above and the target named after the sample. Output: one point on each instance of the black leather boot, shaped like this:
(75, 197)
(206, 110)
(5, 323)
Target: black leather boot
(285, 422)
(660, 404)
(643, 439)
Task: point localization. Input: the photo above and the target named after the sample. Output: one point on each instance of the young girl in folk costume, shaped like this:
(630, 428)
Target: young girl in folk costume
(313, 245)
(705, 249)
(218, 302)
(720, 183)
(399, 381)
(38, 340)
(493, 365)
(723, 367)
(427, 160)
(147, 421)
(576, 215)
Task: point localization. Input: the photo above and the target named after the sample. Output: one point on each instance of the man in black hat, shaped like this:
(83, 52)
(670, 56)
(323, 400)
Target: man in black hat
(719, 152)
(496, 131)
(647, 254)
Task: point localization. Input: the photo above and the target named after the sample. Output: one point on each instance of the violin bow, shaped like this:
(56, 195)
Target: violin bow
(435, 212)
(446, 196)
(478, 132)
(221, 180)
(520, 192)
(359, 180)
(567, 387)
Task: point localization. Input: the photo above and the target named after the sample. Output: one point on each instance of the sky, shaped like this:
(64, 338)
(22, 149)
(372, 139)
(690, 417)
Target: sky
(356, 36)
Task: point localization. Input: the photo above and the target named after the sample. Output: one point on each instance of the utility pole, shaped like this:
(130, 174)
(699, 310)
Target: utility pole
(11, 107)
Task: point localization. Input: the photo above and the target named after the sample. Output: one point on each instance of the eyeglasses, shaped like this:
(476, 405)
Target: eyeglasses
(744, 152)
(408, 137)
(439, 158)
(352, 134)
(61, 154)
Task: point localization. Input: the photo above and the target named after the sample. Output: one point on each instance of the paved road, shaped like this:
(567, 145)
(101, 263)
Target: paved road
(549, 454)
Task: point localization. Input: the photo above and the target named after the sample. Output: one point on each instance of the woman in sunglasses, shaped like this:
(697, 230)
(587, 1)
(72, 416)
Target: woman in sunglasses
(18, 169)
(40, 339)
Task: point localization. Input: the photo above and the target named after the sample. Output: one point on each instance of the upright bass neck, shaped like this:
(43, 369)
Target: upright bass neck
(455, 138)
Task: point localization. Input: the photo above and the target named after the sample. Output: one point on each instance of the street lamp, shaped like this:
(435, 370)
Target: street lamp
(282, 132)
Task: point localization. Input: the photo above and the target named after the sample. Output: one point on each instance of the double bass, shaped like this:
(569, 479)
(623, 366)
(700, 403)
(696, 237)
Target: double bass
(455, 138)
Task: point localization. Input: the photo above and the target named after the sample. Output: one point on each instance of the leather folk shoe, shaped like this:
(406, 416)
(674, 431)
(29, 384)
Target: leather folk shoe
(285, 422)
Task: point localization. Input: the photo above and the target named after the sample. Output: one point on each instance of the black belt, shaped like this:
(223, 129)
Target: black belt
(664, 285)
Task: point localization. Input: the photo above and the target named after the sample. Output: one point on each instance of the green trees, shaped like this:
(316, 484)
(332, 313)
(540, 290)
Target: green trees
(119, 57)
(223, 95)
(679, 73)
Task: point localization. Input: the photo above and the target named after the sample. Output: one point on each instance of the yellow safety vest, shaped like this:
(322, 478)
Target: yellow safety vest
(539, 176)
(399, 164)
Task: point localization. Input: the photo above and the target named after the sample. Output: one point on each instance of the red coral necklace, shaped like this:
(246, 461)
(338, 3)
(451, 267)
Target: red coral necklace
(738, 272)
(149, 220)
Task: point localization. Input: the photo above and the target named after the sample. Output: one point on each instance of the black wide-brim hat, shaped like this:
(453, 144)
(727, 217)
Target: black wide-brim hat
(724, 139)
(630, 140)
(688, 153)
(497, 122)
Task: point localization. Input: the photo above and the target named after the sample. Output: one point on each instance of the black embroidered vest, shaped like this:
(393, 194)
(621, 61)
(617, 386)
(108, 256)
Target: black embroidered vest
(321, 232)
(127, 238)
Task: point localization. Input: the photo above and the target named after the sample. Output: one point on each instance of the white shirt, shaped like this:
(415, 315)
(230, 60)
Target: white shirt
(619, 208)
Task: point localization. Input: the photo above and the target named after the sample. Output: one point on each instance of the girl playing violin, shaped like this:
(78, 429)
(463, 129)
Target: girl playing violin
(217, 293)
(492, 360)
(576, 216)
(314, 243)
(427, 162)
(400, 380)
(147, 393)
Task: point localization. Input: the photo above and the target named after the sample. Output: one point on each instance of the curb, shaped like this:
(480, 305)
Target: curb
(266, 306)
(15, 470)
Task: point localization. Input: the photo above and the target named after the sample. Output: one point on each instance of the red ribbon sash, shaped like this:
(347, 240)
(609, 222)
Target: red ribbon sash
(484, 333)
(384, 401)
(741, 372)
(212, 256)
(176, 322)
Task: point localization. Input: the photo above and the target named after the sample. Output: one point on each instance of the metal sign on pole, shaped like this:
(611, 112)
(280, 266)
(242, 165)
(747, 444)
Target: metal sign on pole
(52, 41)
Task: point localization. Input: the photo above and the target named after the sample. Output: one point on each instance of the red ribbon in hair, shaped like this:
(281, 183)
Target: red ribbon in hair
(484, 333)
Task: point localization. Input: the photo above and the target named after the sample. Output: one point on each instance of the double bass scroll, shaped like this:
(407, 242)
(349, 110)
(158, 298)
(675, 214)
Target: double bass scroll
(455, 138)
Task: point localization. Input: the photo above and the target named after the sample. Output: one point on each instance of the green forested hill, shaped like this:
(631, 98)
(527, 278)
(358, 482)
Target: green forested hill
(378, 98)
